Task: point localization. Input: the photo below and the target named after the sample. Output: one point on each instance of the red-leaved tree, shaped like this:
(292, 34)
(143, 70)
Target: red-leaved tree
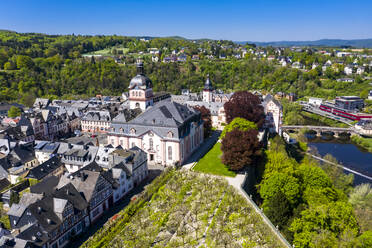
(240, 148)
(206, 117)
(245, 105)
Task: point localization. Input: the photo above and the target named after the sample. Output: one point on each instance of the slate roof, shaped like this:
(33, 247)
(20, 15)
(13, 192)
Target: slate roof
(17, 133)
(16, 210)
(84, 182)
(47, 186)
(165, 113)
(33, 234)
(45, 168)
(41, 102)
(269, 98)
(96, 115)
(21, 154)
(212, 106)
(4, 183)
(70, 193)
(162, 118)
(127, 115)
(29, 198)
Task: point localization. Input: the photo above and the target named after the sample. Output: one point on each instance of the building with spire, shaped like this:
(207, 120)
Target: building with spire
(212, 99)
(169, 132)
(140, 90)
(208, 91)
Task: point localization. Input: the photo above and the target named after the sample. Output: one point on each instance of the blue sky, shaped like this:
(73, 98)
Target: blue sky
(219, 19)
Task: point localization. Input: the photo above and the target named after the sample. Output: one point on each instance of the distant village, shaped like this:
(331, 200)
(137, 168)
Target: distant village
(360, 64)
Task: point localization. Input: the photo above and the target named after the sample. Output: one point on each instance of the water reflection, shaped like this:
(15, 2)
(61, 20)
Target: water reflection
(347, 153)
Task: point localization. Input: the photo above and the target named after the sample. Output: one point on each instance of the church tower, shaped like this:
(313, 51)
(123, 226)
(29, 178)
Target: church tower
(140, 90)
(208, 91)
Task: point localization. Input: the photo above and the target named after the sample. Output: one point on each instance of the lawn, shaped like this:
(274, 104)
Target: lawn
(108, 51)
(187, 209)
(211, 163)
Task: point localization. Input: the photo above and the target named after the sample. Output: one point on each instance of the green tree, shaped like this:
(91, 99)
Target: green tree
(9, 66)
(277, 209)
(238, 123)
(280, 182)
(365, 240)
(335, 217)
(24, 62)
(364, 94)
(14, 112)
(313, 177)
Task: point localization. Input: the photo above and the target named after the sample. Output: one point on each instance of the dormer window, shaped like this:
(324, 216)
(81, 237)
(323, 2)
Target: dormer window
(133, 131)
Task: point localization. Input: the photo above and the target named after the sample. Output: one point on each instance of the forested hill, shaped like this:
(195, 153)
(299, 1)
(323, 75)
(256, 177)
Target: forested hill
(38, 65)
(360, 43)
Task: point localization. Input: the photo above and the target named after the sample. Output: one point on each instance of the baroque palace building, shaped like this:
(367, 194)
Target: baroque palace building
(168, 131)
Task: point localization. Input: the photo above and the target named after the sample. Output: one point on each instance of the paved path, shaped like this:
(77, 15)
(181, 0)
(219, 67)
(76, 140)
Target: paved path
(237, 182)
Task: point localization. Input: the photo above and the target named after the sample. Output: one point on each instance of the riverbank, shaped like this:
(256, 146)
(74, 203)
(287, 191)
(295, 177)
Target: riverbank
(365, 143)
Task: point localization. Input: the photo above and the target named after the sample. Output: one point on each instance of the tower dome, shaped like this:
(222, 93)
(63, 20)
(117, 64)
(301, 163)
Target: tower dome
(140, 81)
(208, 84)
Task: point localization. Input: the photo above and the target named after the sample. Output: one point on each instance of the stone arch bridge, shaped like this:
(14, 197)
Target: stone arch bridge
(336, 131)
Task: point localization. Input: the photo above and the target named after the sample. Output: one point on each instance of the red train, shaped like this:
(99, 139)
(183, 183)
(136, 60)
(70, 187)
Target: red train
(342, 113)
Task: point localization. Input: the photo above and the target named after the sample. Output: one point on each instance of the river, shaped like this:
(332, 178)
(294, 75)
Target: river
(346, 153)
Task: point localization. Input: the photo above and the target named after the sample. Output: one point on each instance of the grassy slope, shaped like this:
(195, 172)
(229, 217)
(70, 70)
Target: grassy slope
(211, 163)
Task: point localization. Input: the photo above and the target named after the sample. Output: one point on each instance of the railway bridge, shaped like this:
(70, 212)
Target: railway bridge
(336, 131)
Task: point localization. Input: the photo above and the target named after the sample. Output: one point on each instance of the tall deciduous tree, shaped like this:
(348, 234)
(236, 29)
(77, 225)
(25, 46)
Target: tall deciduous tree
(206, 117)
(277, 209)
(240, 148)
(240, 124)
(245, 105)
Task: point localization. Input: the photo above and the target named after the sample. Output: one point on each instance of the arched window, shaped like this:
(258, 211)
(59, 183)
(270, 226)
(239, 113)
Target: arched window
(133, 131)
(169, 153)
(133, 144)
(137, 105)
(151, 144)
(170, 135)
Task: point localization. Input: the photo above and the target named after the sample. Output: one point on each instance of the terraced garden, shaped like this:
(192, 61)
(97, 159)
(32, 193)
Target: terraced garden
(186, 209)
